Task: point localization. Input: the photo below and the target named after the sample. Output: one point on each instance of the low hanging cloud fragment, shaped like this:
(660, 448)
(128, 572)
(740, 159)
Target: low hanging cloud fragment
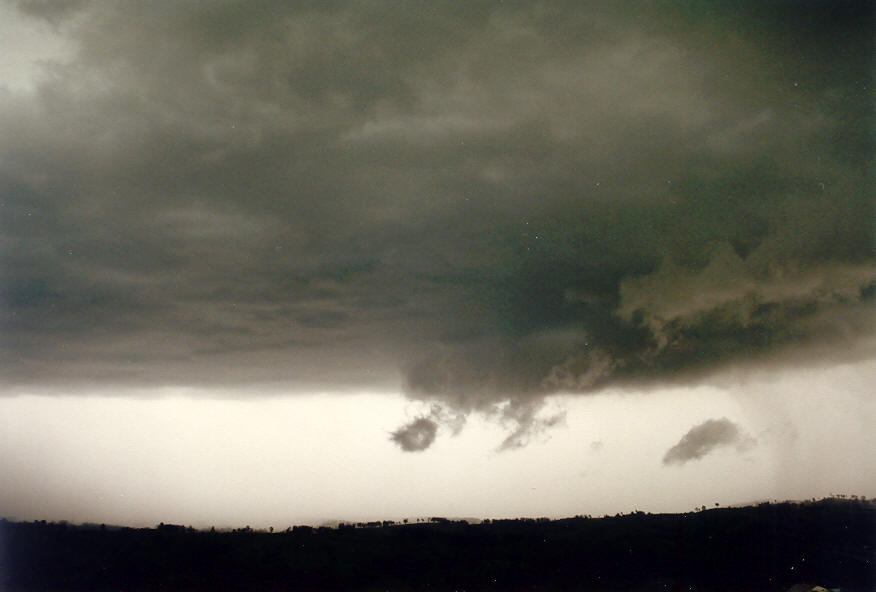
(706, 437)
(415, 436)
(527, 423)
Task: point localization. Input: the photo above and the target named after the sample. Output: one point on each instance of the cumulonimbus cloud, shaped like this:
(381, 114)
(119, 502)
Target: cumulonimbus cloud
(482, 205)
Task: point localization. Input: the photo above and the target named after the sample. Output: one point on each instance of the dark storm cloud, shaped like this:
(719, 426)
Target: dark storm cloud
(706, 437)
(485, 203)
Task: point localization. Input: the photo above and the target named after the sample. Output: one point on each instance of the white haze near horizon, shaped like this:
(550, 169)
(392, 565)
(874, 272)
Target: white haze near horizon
(207, 459)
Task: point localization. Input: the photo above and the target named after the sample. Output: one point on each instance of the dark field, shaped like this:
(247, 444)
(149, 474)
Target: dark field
(765, 547)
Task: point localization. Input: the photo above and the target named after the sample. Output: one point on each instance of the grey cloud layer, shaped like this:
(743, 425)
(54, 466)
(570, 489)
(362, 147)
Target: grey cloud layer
(485, 203)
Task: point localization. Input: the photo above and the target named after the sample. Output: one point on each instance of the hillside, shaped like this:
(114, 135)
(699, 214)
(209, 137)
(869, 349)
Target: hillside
(765, 547)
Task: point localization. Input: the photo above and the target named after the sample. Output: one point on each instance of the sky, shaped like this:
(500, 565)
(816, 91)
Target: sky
(280, 262)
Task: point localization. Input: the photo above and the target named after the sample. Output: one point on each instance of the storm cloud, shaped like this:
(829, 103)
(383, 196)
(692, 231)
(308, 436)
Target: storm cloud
(483, 204)
(704, 438)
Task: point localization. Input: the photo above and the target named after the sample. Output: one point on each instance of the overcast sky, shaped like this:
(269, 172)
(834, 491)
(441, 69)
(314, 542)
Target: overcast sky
(453, 235)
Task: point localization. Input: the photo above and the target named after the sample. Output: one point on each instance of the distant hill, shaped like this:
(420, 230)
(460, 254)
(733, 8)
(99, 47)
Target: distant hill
(767, 547)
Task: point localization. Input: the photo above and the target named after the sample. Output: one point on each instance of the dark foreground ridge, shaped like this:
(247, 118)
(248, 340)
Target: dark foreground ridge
(765, 547)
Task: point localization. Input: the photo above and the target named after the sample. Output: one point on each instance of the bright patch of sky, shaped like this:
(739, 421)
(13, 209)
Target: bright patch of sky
(182, 458)
(26, 46)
